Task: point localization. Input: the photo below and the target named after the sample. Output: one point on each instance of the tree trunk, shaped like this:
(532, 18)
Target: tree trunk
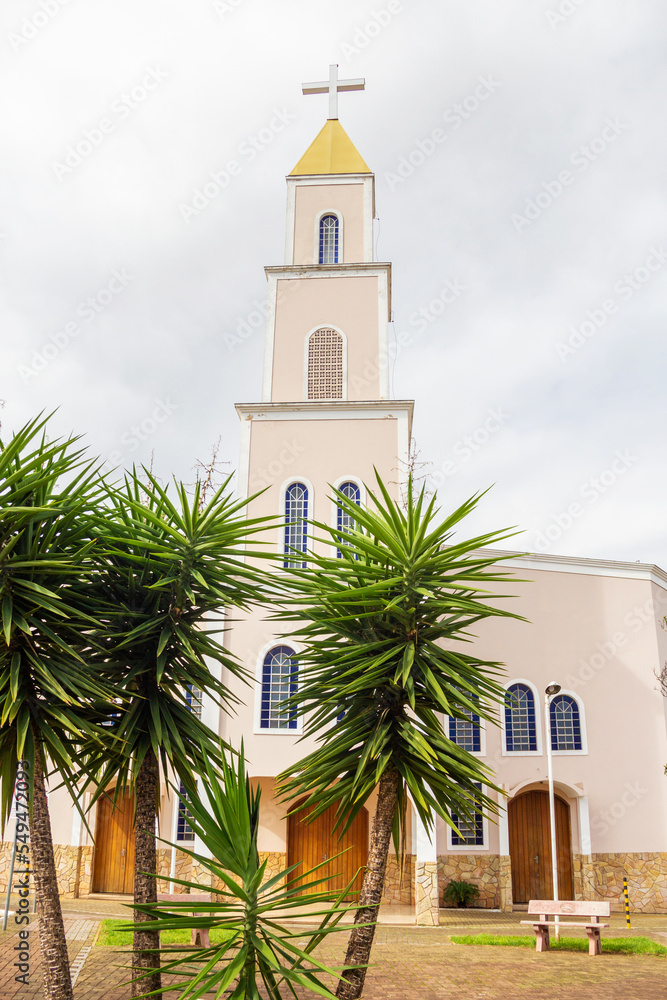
(145, 887)
(370, 897)
(55, 961)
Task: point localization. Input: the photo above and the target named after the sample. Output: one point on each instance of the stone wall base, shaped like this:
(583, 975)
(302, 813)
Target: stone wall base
(505, 883)
(483, 870)
(189, 870)
(399, 887)
(73, 868)
(426, 894)
(596, 876)
(602, 878)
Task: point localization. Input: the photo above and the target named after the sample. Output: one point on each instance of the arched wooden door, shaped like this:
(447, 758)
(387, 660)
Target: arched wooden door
(113, 864)
(311, 843)
(530, 847)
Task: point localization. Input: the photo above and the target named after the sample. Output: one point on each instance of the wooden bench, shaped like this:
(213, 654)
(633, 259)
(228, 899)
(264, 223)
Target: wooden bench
(199, 935)
(545, 908)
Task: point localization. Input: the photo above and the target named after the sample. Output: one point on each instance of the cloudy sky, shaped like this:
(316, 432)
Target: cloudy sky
(519, 152)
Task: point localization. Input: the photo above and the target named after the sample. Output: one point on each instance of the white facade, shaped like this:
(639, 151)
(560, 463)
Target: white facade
(597, 628)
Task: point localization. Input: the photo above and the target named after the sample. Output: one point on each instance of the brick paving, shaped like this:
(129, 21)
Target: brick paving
(407, 961)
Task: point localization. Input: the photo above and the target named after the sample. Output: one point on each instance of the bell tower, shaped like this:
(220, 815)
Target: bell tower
(325, 418)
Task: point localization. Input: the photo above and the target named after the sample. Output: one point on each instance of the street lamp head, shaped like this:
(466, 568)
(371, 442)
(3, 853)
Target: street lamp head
(552, 689)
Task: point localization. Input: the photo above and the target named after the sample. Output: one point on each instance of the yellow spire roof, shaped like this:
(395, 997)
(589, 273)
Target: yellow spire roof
(331, 152)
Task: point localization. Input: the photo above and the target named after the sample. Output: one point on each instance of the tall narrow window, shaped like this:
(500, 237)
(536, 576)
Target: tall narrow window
(520, 724)
(184, 831)
(470, 828)
(565, 723)
(328, 250)
(193, 698)
(279, 681)
(325, 365)
(345, 520)
(465, 732)
(296, 525)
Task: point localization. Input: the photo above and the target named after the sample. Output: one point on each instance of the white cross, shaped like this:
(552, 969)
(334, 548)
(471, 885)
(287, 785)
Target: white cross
(331, 87)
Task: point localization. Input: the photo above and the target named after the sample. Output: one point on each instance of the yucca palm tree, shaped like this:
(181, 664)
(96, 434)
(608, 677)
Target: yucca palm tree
(47, 494)
(248, 908)
(381, 615)
(167, 571)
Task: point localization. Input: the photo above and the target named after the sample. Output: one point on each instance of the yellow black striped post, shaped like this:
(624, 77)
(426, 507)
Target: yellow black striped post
(627, 902)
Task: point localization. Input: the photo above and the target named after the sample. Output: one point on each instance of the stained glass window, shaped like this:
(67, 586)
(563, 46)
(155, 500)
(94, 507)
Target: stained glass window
(520, 723)
(344, 520)
(466, 732)
(296, 524)
(565, 723)
(471, 829)
(184, 831)
(328, 250)
(279, 681)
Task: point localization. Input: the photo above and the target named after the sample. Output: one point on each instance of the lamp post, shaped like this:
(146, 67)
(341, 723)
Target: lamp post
(549, 692)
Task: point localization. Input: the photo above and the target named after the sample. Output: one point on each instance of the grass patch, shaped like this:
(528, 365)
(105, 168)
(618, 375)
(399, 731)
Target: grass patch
(111, 936)
(618, 945)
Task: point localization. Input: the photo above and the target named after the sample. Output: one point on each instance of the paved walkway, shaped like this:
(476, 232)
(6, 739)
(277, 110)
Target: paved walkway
(408, 961)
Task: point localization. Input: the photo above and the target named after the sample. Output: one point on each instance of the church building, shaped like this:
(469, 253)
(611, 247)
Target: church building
(595, 628)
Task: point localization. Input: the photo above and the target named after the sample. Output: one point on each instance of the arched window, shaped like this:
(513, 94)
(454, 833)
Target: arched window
(469, 829)
(325, 365)
(193, 699)
(279, 681)
(344, 520)
(184, 831)
(520, 725)
(296, 524)
(465, 732)
(565, 723)
(328, 249)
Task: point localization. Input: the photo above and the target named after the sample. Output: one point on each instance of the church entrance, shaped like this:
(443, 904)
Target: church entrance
(530, 847)
(113, 864)
(314, 842)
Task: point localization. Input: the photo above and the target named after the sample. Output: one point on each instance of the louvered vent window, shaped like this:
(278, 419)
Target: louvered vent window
(325, 365)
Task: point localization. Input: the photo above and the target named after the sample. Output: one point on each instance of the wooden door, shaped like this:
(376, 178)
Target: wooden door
(311, 843)
(530, 847)
(113, 865)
